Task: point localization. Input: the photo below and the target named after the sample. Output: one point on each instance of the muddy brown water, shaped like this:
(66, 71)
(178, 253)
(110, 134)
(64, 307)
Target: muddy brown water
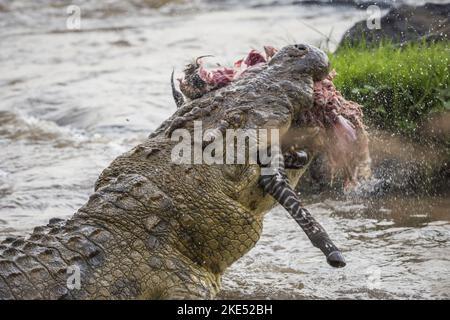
(71, 101)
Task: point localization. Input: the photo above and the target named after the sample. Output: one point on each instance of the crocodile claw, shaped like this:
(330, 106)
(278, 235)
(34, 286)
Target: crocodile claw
(336, 259)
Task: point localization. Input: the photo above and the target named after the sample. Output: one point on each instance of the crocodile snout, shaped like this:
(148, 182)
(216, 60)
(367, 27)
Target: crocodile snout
(315, 61)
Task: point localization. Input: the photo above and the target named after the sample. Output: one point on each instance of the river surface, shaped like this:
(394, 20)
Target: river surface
(73, 100)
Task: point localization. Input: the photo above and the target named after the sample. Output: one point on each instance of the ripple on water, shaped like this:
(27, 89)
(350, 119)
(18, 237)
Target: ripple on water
(387, 257)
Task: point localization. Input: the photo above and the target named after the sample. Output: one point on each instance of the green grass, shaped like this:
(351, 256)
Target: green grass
(398, 87)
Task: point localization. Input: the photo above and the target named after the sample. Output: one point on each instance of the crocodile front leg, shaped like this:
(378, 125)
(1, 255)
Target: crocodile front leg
(277, 185)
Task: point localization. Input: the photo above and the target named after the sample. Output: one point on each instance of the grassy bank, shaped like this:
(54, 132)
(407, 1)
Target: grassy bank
(398, 87)
(405, 94)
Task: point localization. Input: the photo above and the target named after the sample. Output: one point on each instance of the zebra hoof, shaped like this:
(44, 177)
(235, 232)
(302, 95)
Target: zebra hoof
(302, 158)
(295, 159)
(336, 259)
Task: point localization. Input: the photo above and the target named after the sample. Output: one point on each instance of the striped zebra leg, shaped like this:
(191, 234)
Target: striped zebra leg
(277, 185)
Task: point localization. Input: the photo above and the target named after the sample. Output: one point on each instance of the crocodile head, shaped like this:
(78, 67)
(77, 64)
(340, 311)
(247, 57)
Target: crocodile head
(302, 59)
(330, 125)
(325, 123)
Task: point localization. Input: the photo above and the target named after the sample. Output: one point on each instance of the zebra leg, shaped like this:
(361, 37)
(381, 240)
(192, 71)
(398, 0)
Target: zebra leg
(277, 185)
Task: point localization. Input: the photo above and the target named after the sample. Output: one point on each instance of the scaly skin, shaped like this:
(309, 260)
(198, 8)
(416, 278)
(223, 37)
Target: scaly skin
(157, 229)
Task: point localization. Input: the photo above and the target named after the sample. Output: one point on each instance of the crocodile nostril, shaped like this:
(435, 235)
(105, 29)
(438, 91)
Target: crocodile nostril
(300, 46)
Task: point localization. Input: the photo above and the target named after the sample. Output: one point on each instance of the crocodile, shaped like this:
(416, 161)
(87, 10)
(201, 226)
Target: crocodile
(157, 229)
